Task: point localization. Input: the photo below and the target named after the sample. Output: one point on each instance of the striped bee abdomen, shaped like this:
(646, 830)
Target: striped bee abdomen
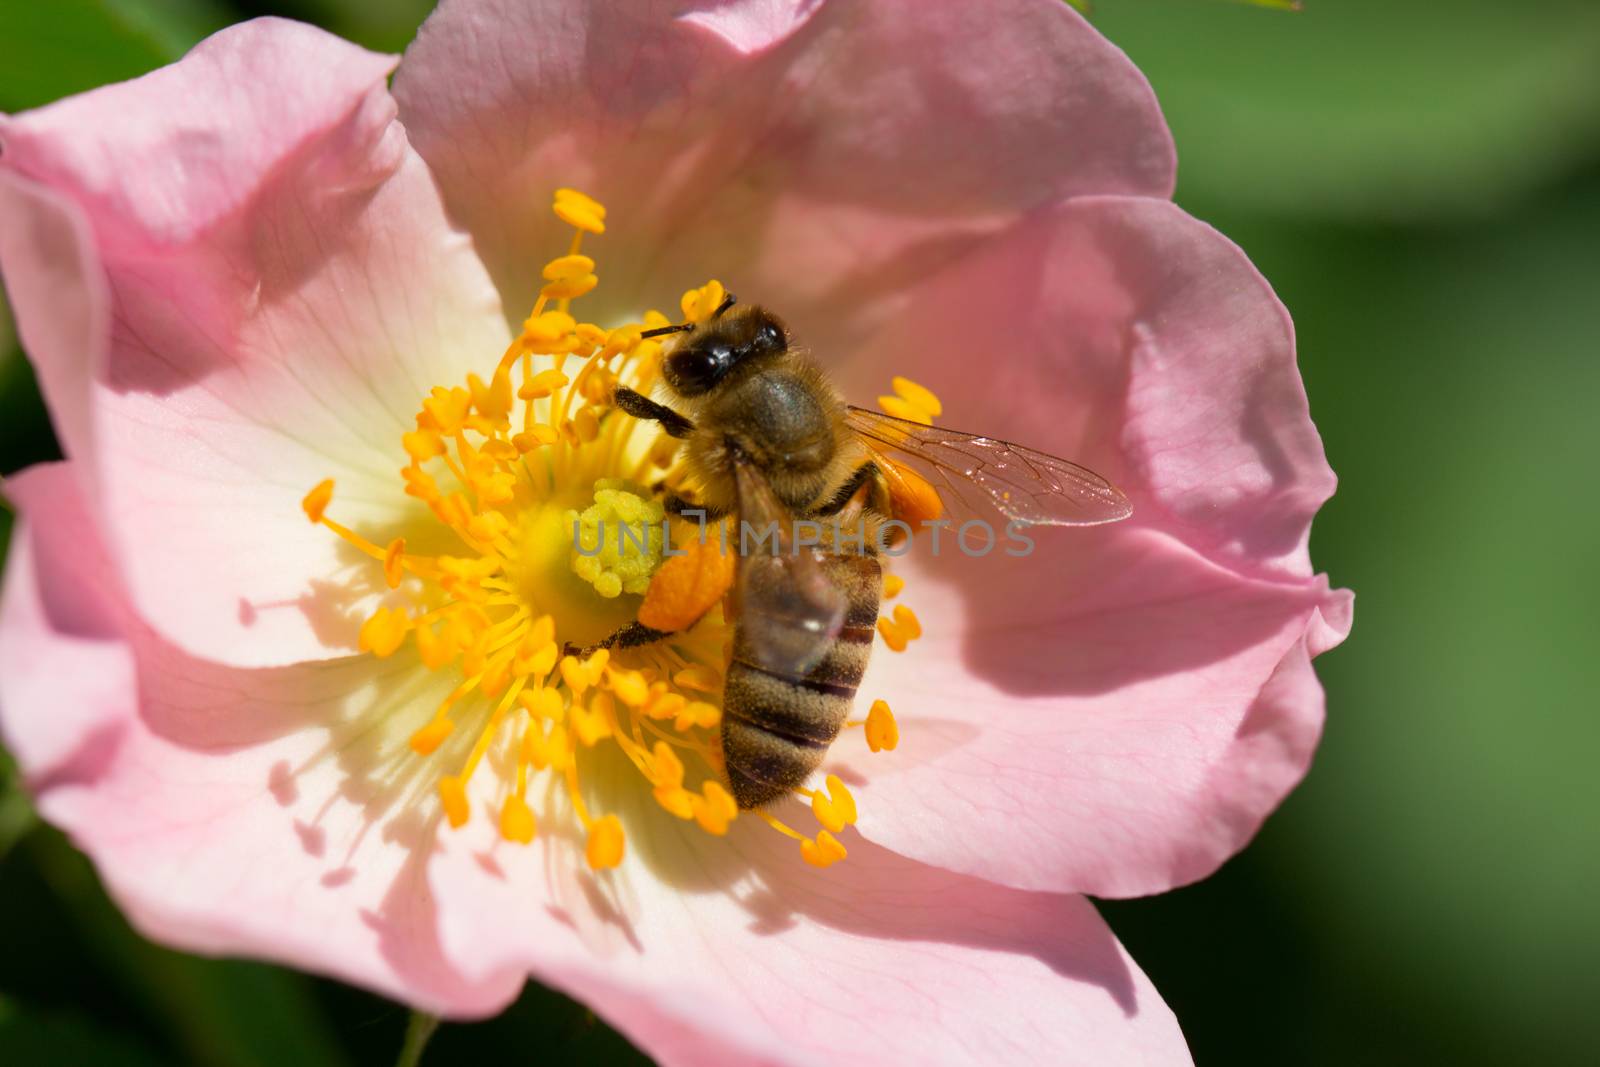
(777, 725)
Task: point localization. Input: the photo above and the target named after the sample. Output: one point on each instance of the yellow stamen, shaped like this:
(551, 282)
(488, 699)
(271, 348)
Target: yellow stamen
(836, 808)
(504, 460)
(883, 734)
(606, 843)
(825, 851)
(316, 501)
(453, 794)
(918, 396)
(516, 820)
(384, 632)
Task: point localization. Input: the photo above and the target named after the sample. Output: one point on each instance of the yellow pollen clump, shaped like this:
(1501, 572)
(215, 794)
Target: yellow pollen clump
(538, 540)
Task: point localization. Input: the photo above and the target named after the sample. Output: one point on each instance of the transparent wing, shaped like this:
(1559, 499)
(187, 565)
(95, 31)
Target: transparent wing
(789, 610)
(985, 473)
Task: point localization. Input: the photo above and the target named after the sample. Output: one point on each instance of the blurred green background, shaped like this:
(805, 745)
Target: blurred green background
(1421, 182)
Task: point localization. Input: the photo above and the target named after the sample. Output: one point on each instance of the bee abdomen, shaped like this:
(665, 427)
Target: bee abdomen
(777, 725)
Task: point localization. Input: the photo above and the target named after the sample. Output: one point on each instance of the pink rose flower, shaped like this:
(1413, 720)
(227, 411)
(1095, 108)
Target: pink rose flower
(242, 275)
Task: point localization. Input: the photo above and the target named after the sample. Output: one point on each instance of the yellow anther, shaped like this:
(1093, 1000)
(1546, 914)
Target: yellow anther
(532, 439)
(697, 713)
(574, 675)
(892, 584)
(666, 769)
(500, 451)
(606, 843)
(698, 304)
(493, 401)
(583, 212)
(594, 667)
(420, 484)
(621, 339)
(569, 289)
(445, 410)
(630, 687)
(542, 703)
(548, 328)
(435, 650)
(384, 632)
(516, 821)
(665, 704)
(917, 396)
(453, 792)
(892, 635)
(883, 734)
(495, 678)
(599, 386)
(907, 620)
(422, 445)
(488, 526)
(715, 808)
(904, 409)
(394, 562)
(431, 736)
(676, 799)
(317, 501)
(586, 424)
(542, 385)
(825, 851)
(835, 809)
(541, 662)
(558, 748)
(591, 725)
(698, 676)
(565, 268)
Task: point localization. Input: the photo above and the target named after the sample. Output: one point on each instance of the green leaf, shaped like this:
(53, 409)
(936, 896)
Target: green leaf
(382, 25)
(1369, 108)
(51, 50)
(31, 1038)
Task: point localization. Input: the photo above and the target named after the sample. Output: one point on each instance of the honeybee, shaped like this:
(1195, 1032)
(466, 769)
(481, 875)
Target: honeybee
(769, 440)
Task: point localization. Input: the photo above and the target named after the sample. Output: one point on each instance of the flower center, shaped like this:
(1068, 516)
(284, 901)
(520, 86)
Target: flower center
(556, 543)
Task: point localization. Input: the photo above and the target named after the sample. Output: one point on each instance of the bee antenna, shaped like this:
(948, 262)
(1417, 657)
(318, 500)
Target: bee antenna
(727, 302)
(681, 327)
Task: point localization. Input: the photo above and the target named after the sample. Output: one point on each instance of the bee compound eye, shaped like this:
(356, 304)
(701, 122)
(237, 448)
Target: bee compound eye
(770, 337)
(696, 369)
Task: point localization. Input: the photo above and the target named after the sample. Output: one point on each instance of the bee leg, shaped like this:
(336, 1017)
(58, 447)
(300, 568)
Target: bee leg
(630, 636)
(640, 406)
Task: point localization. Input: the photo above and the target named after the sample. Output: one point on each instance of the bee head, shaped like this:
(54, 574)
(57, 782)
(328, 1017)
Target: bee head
(715, 347)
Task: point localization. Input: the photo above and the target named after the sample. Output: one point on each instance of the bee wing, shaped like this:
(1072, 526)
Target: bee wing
(987, 473)
(789, 610)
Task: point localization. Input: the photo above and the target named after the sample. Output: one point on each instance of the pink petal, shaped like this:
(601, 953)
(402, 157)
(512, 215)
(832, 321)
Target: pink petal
(1116, 713)
(1117, 727)
(237, 280)
(816, 156)
(1126, 335)
(732, 951)
(220, 804)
